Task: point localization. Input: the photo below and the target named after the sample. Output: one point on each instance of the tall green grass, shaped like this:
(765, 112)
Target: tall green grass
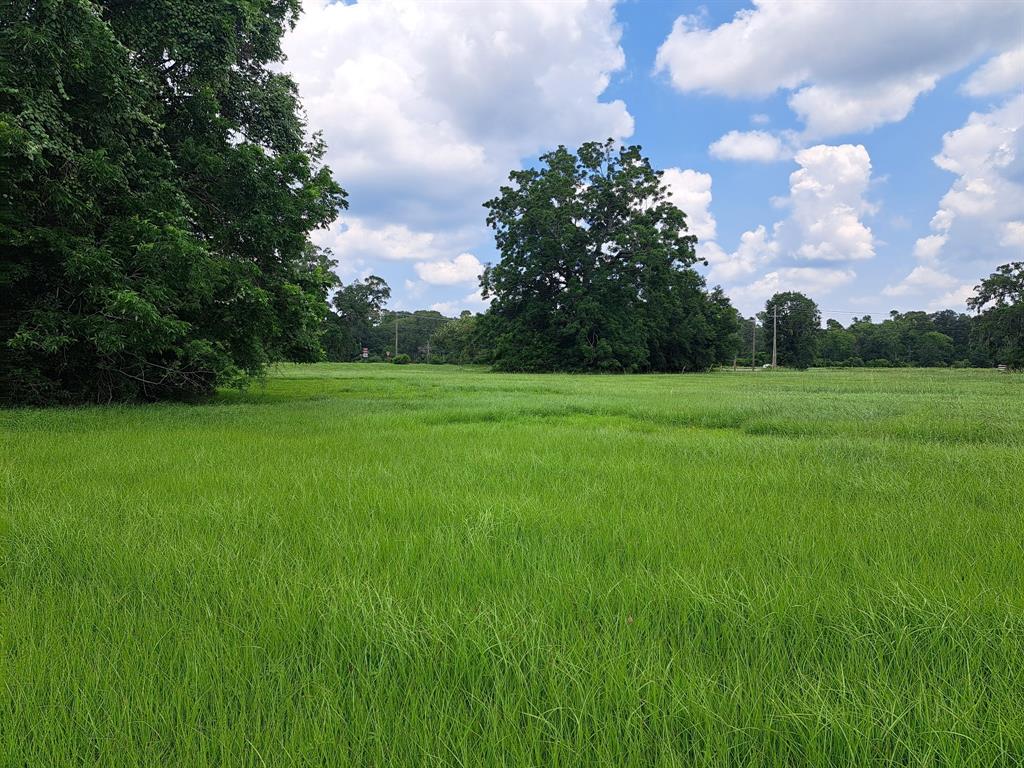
(403, 566)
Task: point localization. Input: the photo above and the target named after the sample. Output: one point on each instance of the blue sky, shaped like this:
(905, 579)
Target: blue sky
(868, 154)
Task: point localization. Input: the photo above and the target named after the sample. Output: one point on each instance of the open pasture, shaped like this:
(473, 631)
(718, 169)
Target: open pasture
(376, 565)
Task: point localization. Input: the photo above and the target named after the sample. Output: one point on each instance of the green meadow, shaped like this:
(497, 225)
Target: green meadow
(372, 565)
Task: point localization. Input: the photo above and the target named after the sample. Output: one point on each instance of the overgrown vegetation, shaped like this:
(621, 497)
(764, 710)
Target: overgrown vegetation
(419, 565)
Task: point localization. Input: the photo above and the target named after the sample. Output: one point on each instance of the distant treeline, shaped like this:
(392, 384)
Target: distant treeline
(916, 339)
(993, 336)
(425, 335)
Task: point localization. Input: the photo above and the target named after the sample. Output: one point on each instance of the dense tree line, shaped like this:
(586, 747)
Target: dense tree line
(415, 333)
(360, 321)
(907, 338)
(156, 196)
(992, 336)
(358, 308)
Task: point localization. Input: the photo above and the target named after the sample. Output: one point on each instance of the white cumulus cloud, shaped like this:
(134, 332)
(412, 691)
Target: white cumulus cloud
(826, 202)
(921, 279)
(829, 110)
(356, 239)
(954, 299)
(1013, 234)
(758, 146)
(426, 107)
(464, 268)
(827, 198)
(691, 193)
(473, 302)
(756, 249)
(813, 281)
(928, 248)
(848, 66)
(979, 217)
(1000, 74)
(978, 223)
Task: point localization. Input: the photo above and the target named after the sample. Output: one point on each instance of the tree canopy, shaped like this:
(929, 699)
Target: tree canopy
(798, 322)
(596, 270)
(360, 320)
(358, 307)
(999, 326)
(460, 342)
(157, 197)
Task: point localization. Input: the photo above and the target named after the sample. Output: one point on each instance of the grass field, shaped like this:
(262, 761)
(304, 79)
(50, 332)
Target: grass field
(411, 566)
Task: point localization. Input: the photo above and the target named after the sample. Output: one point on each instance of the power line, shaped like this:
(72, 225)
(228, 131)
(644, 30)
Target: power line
(848, 312)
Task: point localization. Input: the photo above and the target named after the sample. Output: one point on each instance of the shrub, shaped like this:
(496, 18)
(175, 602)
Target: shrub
(402, 359)
(879, 362)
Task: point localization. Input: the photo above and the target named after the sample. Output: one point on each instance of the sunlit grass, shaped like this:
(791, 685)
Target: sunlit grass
(405, 566)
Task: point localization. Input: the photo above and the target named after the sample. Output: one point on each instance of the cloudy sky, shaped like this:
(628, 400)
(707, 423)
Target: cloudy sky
(868, 154)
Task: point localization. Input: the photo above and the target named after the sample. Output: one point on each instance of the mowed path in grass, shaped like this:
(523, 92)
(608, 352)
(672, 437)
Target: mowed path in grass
(376, 565)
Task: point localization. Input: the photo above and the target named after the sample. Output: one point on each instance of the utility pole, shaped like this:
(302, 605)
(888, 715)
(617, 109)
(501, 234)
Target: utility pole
(775, 332)
(753, 341)
(396, 334)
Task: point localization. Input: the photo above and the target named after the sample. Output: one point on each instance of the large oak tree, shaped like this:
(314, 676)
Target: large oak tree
(596, 270)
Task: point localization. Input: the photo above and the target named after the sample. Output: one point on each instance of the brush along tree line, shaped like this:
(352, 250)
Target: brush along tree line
(158, 191)
(918, 339)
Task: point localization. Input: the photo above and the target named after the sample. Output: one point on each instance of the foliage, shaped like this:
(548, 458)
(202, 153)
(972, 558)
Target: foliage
(156, 194)
(415, 330)
(360, 320)
(933, 348)
(955, 325)
(799, 322)
(460, 342)
(357, 309)
(596, 271)
(904, 339)
(401, 359)
(998, 330)
(836, 344)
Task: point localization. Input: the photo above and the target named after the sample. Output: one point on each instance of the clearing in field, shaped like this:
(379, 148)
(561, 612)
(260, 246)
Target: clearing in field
(396, 566)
